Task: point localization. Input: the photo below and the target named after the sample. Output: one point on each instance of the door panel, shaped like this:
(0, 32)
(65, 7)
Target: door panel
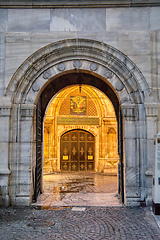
(65, 155)
(77, 151)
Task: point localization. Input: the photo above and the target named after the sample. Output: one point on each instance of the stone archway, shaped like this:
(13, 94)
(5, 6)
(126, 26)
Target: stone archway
(40, 71)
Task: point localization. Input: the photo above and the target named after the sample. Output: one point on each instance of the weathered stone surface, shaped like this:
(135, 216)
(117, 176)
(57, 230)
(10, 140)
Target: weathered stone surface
(124, 18)
(3, 19)
(130, 66)
(28, 20)
(77, 3)
(4, 154)
(78, 20)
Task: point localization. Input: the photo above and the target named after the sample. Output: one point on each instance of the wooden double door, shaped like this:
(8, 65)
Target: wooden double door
(77, 151)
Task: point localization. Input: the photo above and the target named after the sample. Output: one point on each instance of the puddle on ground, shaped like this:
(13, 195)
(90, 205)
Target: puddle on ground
(63, 188)
(49, 207)
(76, 186)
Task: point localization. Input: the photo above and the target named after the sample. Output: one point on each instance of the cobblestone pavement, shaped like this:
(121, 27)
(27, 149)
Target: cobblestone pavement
(78, 223)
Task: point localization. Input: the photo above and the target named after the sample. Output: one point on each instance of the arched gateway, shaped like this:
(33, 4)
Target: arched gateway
(42, 76)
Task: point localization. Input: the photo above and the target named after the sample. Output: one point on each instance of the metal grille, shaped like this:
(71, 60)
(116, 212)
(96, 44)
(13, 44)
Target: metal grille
(38, 170)
(120, 167)
(91, 108)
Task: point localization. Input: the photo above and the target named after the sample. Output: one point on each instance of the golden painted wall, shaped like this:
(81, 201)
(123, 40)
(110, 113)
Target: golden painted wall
(97, 116)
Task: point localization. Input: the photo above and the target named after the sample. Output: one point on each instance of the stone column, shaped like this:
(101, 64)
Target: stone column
(4, 150)
(25, 163)
(2, 63)
(131, 156)
(151, 115)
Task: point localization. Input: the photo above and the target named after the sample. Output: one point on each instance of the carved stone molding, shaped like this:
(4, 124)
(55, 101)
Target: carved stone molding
(5, 111)
(93, 66)
(151, 110)
(61, 67)
(35, 87)
(46, 74)
(102, 54)
(119, 86)
(27, 111)
(76, 4)
(77, 64)
(129, 112)
(108, 74)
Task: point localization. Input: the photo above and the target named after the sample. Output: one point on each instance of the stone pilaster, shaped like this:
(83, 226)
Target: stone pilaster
(4, 150)
(25, 162)
(131, 161)
(151, 116)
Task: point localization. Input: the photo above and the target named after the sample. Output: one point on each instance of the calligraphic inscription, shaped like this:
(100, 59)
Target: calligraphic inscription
(77, 121)
(78, 105)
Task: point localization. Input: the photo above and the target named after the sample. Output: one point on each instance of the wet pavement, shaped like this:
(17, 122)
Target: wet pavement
(81, 223)
(78, 189)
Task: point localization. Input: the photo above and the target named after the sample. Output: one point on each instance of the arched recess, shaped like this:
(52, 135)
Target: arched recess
(58, 120)
(101, 66)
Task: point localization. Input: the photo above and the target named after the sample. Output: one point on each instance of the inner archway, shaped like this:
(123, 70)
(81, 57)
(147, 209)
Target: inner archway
(80, 110)
(76, 112)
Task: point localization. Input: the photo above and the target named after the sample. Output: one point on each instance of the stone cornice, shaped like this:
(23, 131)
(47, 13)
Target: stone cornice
(5, 111)
(76, 3)
(151, 109)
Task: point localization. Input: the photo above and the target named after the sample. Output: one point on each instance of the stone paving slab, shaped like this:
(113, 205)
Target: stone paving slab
(59, 223)
(79, 199)
(78, 189)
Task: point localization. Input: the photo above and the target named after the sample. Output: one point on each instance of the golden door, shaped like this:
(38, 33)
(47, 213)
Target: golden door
(77, 151)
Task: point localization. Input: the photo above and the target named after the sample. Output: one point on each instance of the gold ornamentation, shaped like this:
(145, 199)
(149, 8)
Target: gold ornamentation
(82, 166)
(74, 151)
(82, 137)
(78, 104)
(65, 166)
(74, 137)
(82, 151)
(65, 151)
(65, 138)
(90, 166)
(90, 151)
(73, 166)
(90, 138)
(77, 121)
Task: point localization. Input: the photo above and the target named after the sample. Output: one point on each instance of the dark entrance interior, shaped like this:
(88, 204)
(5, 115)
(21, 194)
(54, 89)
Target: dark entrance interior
(77, 151)
(53, 87)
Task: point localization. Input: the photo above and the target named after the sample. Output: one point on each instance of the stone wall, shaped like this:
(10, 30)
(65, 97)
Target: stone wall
(134, 31)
